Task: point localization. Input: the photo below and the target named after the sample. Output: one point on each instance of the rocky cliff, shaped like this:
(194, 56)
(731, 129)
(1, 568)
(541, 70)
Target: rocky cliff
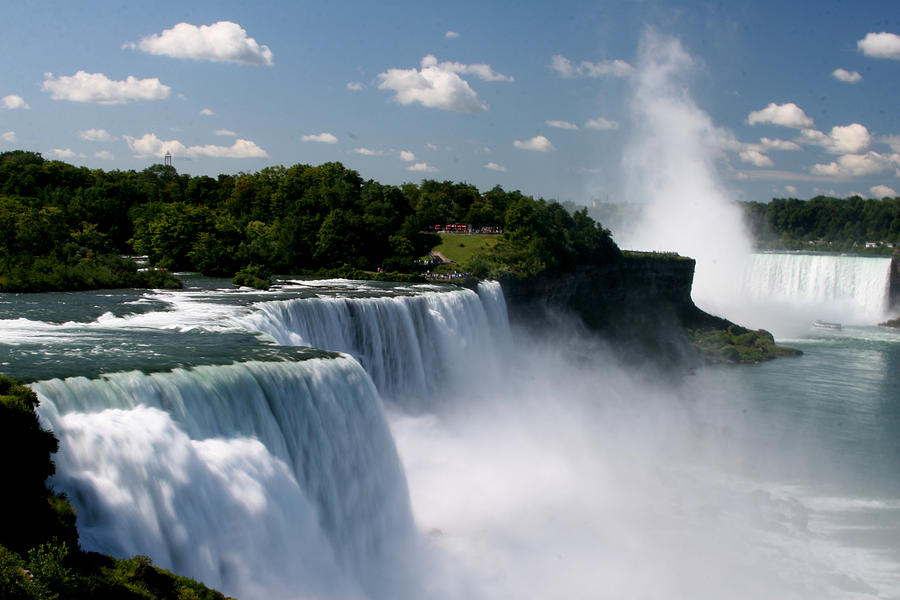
(642, 304)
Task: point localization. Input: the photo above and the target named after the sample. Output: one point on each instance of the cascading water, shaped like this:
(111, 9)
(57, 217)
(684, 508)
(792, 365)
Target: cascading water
(791, 290)
(409, 344)
(283, 472)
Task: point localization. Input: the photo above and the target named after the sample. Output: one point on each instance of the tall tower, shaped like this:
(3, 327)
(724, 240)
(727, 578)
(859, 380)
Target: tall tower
(168, 158)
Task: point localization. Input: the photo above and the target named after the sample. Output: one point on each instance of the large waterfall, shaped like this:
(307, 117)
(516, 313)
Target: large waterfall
(283, 471)
(841, 288)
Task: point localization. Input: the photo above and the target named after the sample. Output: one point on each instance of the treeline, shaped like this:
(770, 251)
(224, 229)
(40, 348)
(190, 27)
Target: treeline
(835, 223)
(299, 219)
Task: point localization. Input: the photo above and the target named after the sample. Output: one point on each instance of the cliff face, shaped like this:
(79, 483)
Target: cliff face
(642, 304)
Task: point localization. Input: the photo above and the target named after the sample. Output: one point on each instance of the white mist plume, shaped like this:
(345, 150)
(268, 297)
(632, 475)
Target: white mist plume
(670, 167)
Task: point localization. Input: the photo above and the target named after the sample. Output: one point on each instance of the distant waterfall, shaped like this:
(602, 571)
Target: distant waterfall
(282, 473)
(849, 288)
(409, 345)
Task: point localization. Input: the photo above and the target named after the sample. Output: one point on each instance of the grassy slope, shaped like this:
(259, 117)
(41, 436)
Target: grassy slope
(459, 247)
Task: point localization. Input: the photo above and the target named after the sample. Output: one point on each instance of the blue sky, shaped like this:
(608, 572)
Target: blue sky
(549, 98)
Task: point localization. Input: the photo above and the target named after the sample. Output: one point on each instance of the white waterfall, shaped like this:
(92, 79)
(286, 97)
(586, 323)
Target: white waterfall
(282, 474)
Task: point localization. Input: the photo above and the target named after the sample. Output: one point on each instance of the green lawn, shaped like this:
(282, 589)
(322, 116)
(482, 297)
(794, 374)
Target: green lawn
(459, 247)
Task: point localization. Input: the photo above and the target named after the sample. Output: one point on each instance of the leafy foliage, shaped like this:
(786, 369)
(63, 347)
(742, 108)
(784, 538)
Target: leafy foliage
(62, 227)
(836, 223)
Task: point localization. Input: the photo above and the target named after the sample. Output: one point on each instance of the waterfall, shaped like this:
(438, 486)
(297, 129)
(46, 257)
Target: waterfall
(842, 288)
(262, 479)
(410, 345)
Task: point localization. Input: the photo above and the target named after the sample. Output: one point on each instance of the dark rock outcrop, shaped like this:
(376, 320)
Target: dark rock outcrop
(641, 304)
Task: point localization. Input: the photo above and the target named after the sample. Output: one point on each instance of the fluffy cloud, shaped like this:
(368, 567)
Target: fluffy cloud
(97, 87)
(425, 167)
(206, 112)
(755, 157)
(451, 35)
(846, 76)
(13, 102)
(224, 41)
(149, 145)
(96, 135)
(856, 165)
(104, 155)
(602, 124)
(608, 68)
(495, 167)
(787, 115)
(849, 139)
(355, 86)
(537, 144)
(792, 190)
(880, 45)
(322, 138)
(561, 125)
(407, 156)
(9, 136)
(439, 85)
(227, 132)
(61, 154)
(882, 191)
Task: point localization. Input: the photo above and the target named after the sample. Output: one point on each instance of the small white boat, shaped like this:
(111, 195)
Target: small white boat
(826, 325)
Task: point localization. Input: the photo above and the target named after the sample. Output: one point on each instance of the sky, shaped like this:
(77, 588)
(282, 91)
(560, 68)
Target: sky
(550, 98)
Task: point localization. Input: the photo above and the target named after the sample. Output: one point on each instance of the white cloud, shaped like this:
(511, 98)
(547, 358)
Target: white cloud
(602, 124)
(13, 102)
(355, 86)
(856, 165)
(755, 157)
(893, 140)
(431, 146)
(407, 156)
(787, 115)
(104, 155)
(777, 144)
(846, 76)
(849, 139)
(96, 135)
(880, 45)
(495, 167)
(322, 138)
(206, 112)
(368, 152)
(882, 191)
(97, 87)
(61, 154)
(224, 41)
(608, 68)
(537, 144)
(852, 139)
(149, 145)
(227, 132)
(792, 190)
(9, 136)
(561, 125)
(451, 35)
(439, 85)
(480, 70)
(425, 167)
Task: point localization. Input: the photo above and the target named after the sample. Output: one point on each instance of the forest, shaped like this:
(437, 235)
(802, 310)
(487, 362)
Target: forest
(824, 223)
(67, 227)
